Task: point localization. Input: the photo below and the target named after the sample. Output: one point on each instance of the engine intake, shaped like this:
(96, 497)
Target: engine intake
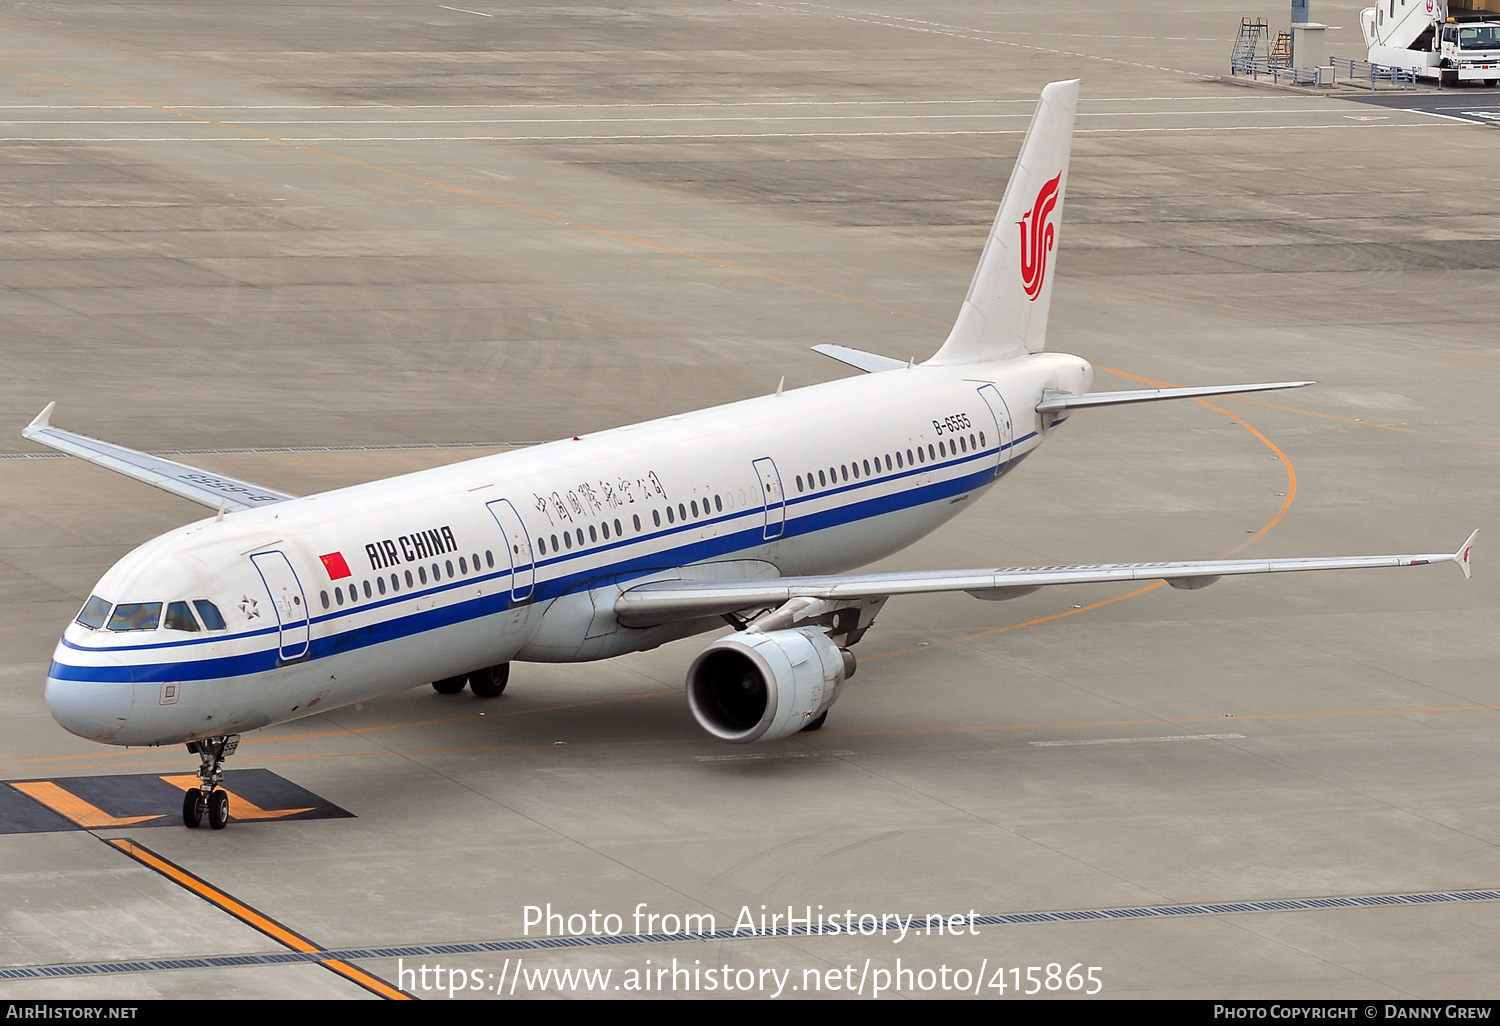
(764, 686)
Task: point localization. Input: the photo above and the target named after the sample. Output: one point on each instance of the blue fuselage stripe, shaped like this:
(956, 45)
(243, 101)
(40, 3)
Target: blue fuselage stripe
(630, 568)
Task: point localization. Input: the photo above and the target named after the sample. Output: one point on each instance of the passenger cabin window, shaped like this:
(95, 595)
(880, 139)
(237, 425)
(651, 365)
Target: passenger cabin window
(94, 613)
(136, 616)
(180, 617)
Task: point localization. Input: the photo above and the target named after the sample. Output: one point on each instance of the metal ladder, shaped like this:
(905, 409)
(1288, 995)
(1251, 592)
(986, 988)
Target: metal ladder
(1281, 50)
(1247, 44)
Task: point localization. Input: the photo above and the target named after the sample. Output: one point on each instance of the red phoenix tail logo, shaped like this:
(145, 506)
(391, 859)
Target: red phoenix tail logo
(1037, 232)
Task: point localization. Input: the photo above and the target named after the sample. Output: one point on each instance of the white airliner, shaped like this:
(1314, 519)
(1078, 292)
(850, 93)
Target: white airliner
(751, 513)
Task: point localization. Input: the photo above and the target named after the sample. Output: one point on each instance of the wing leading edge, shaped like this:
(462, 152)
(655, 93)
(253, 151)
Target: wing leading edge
(216, 491)
(659, 602)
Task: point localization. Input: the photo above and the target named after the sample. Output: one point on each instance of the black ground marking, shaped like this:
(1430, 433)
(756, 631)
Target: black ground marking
(133, 795)
(1468, 102)
(21, 815)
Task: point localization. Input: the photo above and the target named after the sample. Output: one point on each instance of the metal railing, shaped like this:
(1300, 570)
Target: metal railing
(1256, 67)
(1376, 74)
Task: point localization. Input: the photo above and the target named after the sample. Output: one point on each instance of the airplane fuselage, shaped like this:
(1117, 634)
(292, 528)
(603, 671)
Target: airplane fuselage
(341, 596)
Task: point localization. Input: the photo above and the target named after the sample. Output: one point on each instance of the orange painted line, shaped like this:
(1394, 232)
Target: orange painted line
(558, 219)
(134, 753)
(1368, 423)
(1314, 413)
(1291, 492)
(967, 728)
(69, 805)
(461, 719)
(251, 917)
(1291, 477)
(243, 807)
(247, 915)
(374, 984)
(1015, 626)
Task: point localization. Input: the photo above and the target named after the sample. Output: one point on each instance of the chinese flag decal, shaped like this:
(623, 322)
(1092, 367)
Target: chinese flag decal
(337, 568)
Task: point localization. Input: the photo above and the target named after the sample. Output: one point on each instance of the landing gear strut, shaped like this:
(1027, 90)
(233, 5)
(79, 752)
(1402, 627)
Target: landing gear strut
(209, 797)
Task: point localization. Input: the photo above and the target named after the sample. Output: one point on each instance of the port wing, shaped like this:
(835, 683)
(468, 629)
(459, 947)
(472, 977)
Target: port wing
(217, 491)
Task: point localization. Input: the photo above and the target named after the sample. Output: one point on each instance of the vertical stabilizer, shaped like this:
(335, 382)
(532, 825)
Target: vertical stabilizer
(1005, 314)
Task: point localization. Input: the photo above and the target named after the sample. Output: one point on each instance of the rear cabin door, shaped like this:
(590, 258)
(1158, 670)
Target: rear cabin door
(1004, 432)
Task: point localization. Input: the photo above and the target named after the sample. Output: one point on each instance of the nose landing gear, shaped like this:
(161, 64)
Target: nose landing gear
(209, 797)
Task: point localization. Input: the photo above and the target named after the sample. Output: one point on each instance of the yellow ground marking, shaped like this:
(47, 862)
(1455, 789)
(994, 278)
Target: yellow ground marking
(69, 805)
(241, 808)
(249, 916)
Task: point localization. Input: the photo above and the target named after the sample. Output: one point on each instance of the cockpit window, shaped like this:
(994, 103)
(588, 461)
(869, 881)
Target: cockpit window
(180, 617)
(212, 618)
(136, 616)
(95, 611)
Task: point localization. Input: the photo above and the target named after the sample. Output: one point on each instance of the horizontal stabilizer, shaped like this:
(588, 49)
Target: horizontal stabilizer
(870, 363)
(206, 488)
(1057, 402)
(667, 601)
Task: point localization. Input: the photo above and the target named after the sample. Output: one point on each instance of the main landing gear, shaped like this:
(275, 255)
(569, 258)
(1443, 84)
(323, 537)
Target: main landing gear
(209, 798)
(486, 683)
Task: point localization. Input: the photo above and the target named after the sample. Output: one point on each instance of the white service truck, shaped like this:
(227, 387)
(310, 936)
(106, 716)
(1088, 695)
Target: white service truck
(1435, 40)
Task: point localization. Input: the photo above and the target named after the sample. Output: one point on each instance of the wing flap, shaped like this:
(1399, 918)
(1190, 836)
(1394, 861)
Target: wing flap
(665, 601)
(216, 491)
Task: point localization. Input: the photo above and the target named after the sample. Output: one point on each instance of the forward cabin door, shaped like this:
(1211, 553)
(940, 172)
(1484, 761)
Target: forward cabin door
(517, 547)
(287, 600)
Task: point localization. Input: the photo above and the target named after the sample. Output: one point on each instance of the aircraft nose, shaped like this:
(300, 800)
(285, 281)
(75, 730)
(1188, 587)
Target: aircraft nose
(93, 709)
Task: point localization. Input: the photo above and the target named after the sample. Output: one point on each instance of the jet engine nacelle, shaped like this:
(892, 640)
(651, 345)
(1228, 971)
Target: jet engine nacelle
(764, 686)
